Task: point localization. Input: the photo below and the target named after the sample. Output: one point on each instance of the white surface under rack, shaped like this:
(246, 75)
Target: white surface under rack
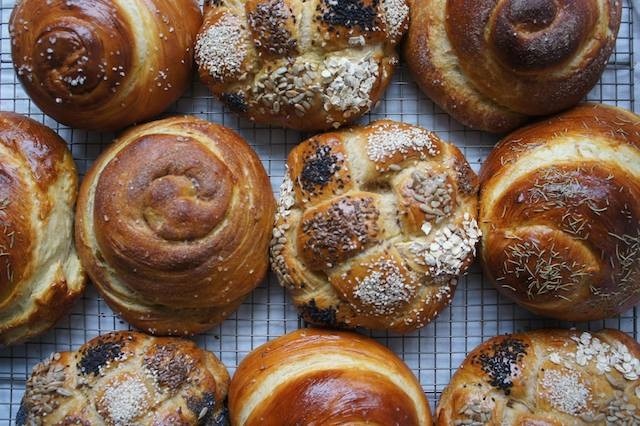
(434, 352)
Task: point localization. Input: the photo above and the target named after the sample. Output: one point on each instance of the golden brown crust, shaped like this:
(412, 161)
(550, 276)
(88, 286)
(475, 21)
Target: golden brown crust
(374, 226)
(175, 242)
(127, 378)
(490, 63)
(546, 377)
(313, 376)
(40, 273)
(306, 65)
(560, 224)
(104, 64)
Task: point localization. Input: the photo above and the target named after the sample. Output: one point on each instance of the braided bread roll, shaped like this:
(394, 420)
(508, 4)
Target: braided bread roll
(547, 378)
(40, 273)
(173, 224)
(491, 64)
(318, 377)
(374, 226)
(300, 64)
(104, 64)
(127, 378)
(560, 216)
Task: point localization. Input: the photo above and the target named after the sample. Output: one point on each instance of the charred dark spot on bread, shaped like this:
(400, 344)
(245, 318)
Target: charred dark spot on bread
(21, 416)
(319, 168)
(220, 419)
(216, 3)
(235, 101)
(95, 357)
(500, 362)
(312, 313)
(269, 24)
(170, 367)
(351, 14)
(203, 406)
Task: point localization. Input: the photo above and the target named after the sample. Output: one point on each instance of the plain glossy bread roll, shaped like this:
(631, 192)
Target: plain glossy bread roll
(317, 377)
(127, 378)
(547, 378)
(301, 64)
(491, 64)
(173, 224)
(374, 226)
(104, 64)
(40, 273)
(560, 216)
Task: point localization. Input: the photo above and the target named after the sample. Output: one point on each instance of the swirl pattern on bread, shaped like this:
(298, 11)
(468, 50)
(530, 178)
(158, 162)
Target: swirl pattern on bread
(173, 224)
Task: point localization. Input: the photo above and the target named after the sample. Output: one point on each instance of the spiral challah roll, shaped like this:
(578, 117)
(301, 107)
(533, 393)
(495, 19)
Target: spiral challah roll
(173, 224)
(104, 64)
(374, 226)
(127, 378)
(547, 378)
(560, 215)
(40, 273)
(301, 64)
(493, 63)
(318, 377)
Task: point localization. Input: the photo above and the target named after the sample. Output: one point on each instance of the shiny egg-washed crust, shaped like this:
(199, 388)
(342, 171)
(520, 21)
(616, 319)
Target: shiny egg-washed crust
(560, 215)
(127, 378)
(374, 226)
(173, 224)
(104, 64)
(306, 65)
(491, 64)
(40, 273)
(318, 377)
(546, 378)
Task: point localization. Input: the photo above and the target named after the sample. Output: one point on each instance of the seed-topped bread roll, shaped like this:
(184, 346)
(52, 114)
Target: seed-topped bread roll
(560, 215)
(126, 378)
(40, 273)
(307, 65)
(318, 377)
(547, 378)
(173, 224)
(374, 226)
(104, 64)
(491, 64)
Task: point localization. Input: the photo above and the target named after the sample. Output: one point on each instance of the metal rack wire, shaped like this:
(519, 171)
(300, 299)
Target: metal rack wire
(434, 352)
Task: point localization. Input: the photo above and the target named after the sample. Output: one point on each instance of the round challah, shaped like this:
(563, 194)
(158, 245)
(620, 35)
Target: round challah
(173, 224)
(40, 273)
(104, 64)
(127, 378)
(560, 216)
(547, 378)
(307, 65)
(317, 377)
(493, 63)
(374, 226)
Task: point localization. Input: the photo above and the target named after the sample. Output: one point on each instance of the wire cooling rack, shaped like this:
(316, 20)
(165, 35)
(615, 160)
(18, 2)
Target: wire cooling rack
(433, 353)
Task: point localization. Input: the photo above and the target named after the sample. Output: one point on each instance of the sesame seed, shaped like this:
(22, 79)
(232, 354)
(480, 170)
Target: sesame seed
(125, 401)
(385, 288)
(395, 14)
(392, 138)
(565, 391)
(221, 48)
